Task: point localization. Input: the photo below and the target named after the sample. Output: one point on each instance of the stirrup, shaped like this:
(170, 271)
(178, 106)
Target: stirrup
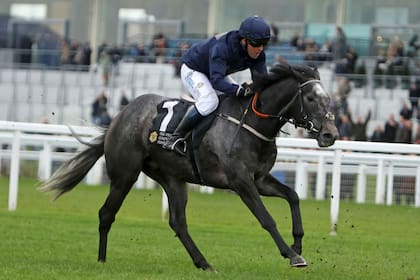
(180, 149)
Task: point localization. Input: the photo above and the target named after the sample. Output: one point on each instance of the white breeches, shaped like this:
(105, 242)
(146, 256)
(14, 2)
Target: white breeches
(199, 86)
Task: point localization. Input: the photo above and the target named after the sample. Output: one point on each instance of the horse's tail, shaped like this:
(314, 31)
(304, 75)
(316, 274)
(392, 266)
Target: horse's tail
(71, 172)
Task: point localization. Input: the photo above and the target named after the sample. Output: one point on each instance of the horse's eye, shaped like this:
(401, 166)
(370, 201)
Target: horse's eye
(310, 98)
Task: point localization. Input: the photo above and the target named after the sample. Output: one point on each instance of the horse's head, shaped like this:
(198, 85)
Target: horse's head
(299, 97)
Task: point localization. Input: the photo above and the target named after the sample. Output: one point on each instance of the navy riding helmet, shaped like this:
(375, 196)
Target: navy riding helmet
(256, 30)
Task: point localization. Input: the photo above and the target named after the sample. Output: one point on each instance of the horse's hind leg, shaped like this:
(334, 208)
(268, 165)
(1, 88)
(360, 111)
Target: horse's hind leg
(118, 191)
(269, 186)
(177, 197)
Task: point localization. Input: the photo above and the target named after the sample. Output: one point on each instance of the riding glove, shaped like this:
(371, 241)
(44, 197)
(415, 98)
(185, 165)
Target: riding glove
(244, 90)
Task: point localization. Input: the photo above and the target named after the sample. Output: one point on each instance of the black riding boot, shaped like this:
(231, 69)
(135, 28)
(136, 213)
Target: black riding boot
(177, 140)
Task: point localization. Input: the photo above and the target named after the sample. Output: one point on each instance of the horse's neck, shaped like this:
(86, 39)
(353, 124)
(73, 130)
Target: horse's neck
(274, 101)
(241, 108)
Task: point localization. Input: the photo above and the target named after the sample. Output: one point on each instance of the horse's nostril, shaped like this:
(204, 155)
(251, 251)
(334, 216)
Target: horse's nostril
(329, 136)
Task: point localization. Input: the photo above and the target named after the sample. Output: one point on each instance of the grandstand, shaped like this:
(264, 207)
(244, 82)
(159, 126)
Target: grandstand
(65, 96)
(46, 90)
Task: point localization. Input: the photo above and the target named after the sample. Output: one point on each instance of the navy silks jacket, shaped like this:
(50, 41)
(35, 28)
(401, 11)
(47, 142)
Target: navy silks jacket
(220, 56)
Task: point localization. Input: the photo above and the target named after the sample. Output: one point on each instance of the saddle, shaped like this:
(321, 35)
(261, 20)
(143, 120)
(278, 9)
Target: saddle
(169, 114)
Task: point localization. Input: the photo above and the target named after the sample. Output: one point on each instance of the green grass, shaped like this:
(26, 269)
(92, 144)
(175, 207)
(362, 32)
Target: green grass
(45, 240)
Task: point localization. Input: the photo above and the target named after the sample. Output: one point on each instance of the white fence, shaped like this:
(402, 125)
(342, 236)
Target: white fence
(384, 160)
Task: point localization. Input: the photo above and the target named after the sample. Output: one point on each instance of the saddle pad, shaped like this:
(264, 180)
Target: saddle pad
(169, 114)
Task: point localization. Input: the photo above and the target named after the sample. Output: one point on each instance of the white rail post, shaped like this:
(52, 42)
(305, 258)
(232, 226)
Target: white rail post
(380, 183)
(45, 162)
(141, 182)
(14, 171)
(165, 206)
(301, 179)
(95, 174)
(206, 189)
(417, 191)
(320, 179)
(335, 191)
(390, 184)
(361, 184)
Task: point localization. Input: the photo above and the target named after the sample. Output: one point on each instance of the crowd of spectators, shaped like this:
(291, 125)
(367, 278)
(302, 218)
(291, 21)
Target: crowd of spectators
(400, 131)
(392, 131)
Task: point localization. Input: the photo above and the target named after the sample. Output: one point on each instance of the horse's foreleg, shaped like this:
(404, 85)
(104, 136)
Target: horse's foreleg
(107, 214)
(269, 186)
(177, 198)
(251, 198)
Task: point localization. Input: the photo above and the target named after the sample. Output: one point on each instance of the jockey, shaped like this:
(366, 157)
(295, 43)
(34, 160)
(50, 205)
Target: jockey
(207, 65)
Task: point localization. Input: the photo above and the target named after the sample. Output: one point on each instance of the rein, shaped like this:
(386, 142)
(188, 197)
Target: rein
(307, 124)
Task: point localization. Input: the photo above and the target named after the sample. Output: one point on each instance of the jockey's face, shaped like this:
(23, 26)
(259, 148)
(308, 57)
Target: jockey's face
(253, 50)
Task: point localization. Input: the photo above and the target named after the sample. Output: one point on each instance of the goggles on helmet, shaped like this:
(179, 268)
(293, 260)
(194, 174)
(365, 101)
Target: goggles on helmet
(258, 43)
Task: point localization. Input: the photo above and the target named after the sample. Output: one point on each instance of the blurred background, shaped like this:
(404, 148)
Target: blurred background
(72, 61)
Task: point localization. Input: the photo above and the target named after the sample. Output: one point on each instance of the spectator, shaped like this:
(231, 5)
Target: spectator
(406, 112)
(404, 131)
(378, 134)
(105, 118)
(339, 50)
(65, 52)
(176, 59)
(274, 34)
(87, 52)
(359, 127)
(76, 54)
(344, 128)
(136, 52)
(413, 46)
(392, 58)
(380, 61)
(142, 55)
(351, 60)
(311, 53)
(98, 107)
(102, 47)
(399, 45)
(105, 65)
(340, 104)
(414, 95)
(325, 51)
(123, 101)
(159, 47)
(115, 55)
(390, 129)
(296, 41)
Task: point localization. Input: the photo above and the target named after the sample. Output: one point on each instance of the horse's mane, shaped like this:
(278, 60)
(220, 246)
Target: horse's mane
(283, 71)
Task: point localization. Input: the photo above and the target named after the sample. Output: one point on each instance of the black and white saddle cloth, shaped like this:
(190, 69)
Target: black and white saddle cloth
(169, 114)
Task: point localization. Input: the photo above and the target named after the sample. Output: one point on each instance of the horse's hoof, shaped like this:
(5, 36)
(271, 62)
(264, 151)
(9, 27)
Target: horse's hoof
(298, 261)
(210, 269)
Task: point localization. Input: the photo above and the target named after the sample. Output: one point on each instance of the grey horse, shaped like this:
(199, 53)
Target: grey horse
(237, 152)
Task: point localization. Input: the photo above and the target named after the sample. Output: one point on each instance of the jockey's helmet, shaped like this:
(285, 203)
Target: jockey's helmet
(255, 29)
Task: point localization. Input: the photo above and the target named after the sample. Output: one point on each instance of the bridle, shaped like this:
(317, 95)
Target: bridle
(304, 122)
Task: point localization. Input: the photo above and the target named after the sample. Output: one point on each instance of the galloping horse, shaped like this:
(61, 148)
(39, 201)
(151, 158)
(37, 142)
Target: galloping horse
(230, 158)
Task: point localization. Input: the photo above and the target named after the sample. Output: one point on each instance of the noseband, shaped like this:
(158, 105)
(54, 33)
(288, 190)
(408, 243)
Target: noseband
(304, 122)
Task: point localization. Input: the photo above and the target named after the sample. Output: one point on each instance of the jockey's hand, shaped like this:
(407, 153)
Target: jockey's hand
(244, 90)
